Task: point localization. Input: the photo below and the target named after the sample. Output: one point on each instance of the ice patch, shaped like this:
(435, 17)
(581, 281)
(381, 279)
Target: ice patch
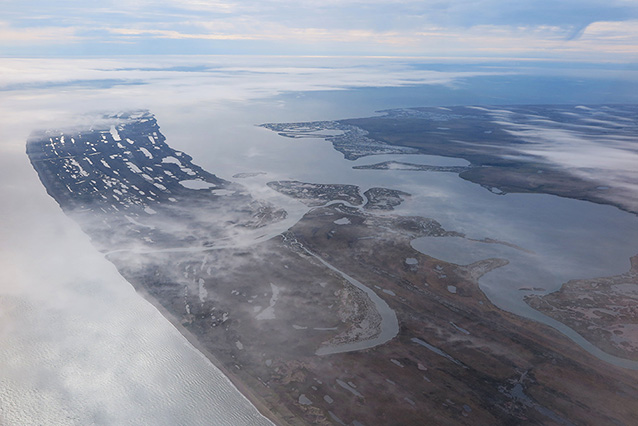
(135, 222)
(269, 312)
(349, 388)
(195, 184)
(115, 134)
(149, 210)
(395, 362)
(203, 293)
(436, 350)
(146, 152)
(342, 221)
(303, 400)
(335, 418)
(133, 167)
(171, 160)
(462, 330)
(77, 165)
(219, 191)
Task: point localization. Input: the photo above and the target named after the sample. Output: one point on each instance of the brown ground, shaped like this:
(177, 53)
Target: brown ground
(474, 136)
(603, 310)
(491, 366)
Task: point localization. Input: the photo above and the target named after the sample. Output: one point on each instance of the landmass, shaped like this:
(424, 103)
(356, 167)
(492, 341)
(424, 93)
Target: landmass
(145, 194)
(317, 194)
(314, 194)
(384, 198)
(336, 320)
(604, 310)
(511, 149)
(351, 140)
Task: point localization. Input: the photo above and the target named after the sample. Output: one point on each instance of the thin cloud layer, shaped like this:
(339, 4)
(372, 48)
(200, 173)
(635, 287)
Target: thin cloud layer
(583, 30)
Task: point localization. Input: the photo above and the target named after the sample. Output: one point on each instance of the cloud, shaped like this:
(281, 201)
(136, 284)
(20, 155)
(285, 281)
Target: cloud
(595, 145)
(180, 35)
(612, 32)
(583, 30)
(9, 34)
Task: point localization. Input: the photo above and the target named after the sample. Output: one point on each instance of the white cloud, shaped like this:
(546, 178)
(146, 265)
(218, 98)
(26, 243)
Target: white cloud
(9, 34)
(580, 148)
(574, 30)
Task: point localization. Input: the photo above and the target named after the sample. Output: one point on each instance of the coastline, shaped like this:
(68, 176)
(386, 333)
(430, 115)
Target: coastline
(277, 415)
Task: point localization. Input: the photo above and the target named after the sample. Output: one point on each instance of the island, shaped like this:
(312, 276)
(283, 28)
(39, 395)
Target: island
(335, 320)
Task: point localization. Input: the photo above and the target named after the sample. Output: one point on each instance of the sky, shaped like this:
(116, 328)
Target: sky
(578, 30)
